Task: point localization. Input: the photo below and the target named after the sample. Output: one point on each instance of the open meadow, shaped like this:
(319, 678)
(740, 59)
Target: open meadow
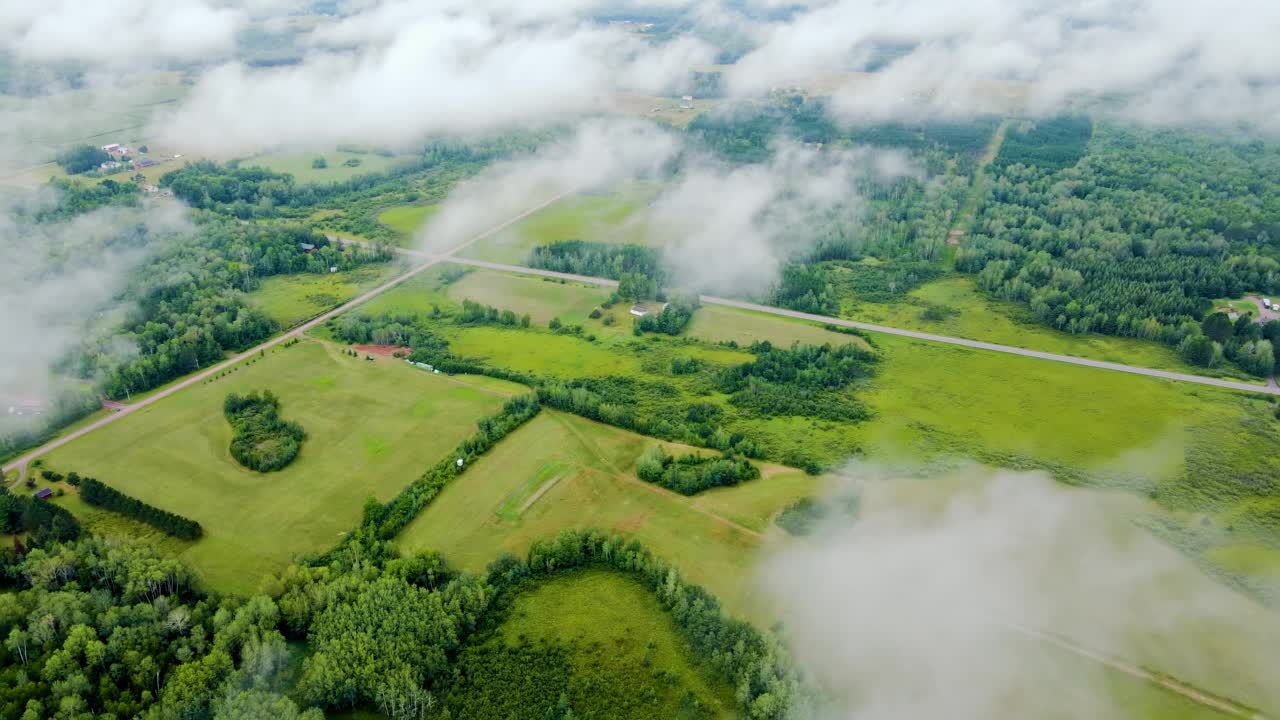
(602, 639)
(371, 428)
(293, 299)
(339, 164)
(605, 217)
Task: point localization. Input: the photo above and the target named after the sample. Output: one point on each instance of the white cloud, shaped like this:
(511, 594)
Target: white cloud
(418, 68)
(1167, 60)
(118, 32)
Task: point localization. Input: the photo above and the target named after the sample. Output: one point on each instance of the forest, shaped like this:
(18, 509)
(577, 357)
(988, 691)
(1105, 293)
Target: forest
(262, 440)
(1138, 238)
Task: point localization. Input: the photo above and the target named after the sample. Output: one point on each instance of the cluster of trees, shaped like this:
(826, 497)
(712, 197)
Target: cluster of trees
(805, 380)
(640, 268)
(100, 495)
(1137, 238)
(805, 515)
(98, 629)
(262, 440)
(474, 313)
(673, 319)
(691, 473)
(388, 521)
(1250, 345)
(591, 399)
(79, 159)
(44, 521)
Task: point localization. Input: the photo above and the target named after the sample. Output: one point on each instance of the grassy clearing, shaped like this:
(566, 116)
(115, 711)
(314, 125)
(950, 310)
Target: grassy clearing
(298, 164)
(613, 218)
(977, 317)
(293, 299)
(372, 427)
(408, 219)
(724, 324)
(540, 298)
(619, 639)
(592, 468)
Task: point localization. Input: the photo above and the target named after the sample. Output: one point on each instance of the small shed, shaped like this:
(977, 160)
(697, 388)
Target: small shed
(44, 494)
(306, 247)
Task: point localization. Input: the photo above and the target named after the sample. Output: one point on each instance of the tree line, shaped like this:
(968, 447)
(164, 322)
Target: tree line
(261, 439)
(613, 261)
(691, 473)
(43, 520)
(98, 494)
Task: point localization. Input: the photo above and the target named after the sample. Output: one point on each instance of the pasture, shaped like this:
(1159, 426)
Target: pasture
(540, 298)
(561, 471)
(371, 427)
(299, 164)
(407, 219)
(293, 299)
(610, 218)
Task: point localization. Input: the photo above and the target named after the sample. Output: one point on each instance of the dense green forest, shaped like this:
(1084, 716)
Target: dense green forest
(1137, 238)
(97, 629)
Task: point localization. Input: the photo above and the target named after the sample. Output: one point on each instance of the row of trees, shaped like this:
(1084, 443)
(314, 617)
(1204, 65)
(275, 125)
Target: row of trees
(388, 521)
(261, 439)
(691, 473)
(640, 267)
(98, 494)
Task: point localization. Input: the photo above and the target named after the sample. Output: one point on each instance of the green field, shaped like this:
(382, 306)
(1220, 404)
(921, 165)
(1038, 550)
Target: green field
(580, 474)
(371, 427)
(293, 299)
(298, 164)
(609, 218)
(625, 656)
(542, 299)
(407, 219)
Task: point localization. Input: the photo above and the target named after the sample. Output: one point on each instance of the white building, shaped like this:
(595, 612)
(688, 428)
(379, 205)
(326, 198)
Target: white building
(686, 102)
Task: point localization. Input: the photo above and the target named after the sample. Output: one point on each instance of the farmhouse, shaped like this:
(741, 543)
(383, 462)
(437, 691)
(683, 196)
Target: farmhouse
(111, 149)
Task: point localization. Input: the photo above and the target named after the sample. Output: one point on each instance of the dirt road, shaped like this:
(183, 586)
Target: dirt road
(915, 334)
(20, 463)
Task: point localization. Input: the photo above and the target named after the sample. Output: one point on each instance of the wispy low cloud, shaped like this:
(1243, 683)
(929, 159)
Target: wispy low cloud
(1163, 61)
(732, 227)
(949, 597)
(401, 70)
(600, 154)
(59, 277)
(119, 32)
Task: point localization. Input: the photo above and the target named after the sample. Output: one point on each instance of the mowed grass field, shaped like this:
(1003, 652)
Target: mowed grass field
(561, 471)
(540, 298)
(293, 299)
(609, 218)
(298, 164)
(371, 427)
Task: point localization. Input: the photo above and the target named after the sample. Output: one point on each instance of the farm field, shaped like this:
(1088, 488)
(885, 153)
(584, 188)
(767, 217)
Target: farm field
(611, 218)
(617, 638)
(298, 164)
(293, 299)
(540, 298)
(561, 471)
(372, 427)
(977, 317)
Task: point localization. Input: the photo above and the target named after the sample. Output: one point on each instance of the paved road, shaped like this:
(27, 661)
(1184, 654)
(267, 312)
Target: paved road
(20, 463)
(917, 335)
